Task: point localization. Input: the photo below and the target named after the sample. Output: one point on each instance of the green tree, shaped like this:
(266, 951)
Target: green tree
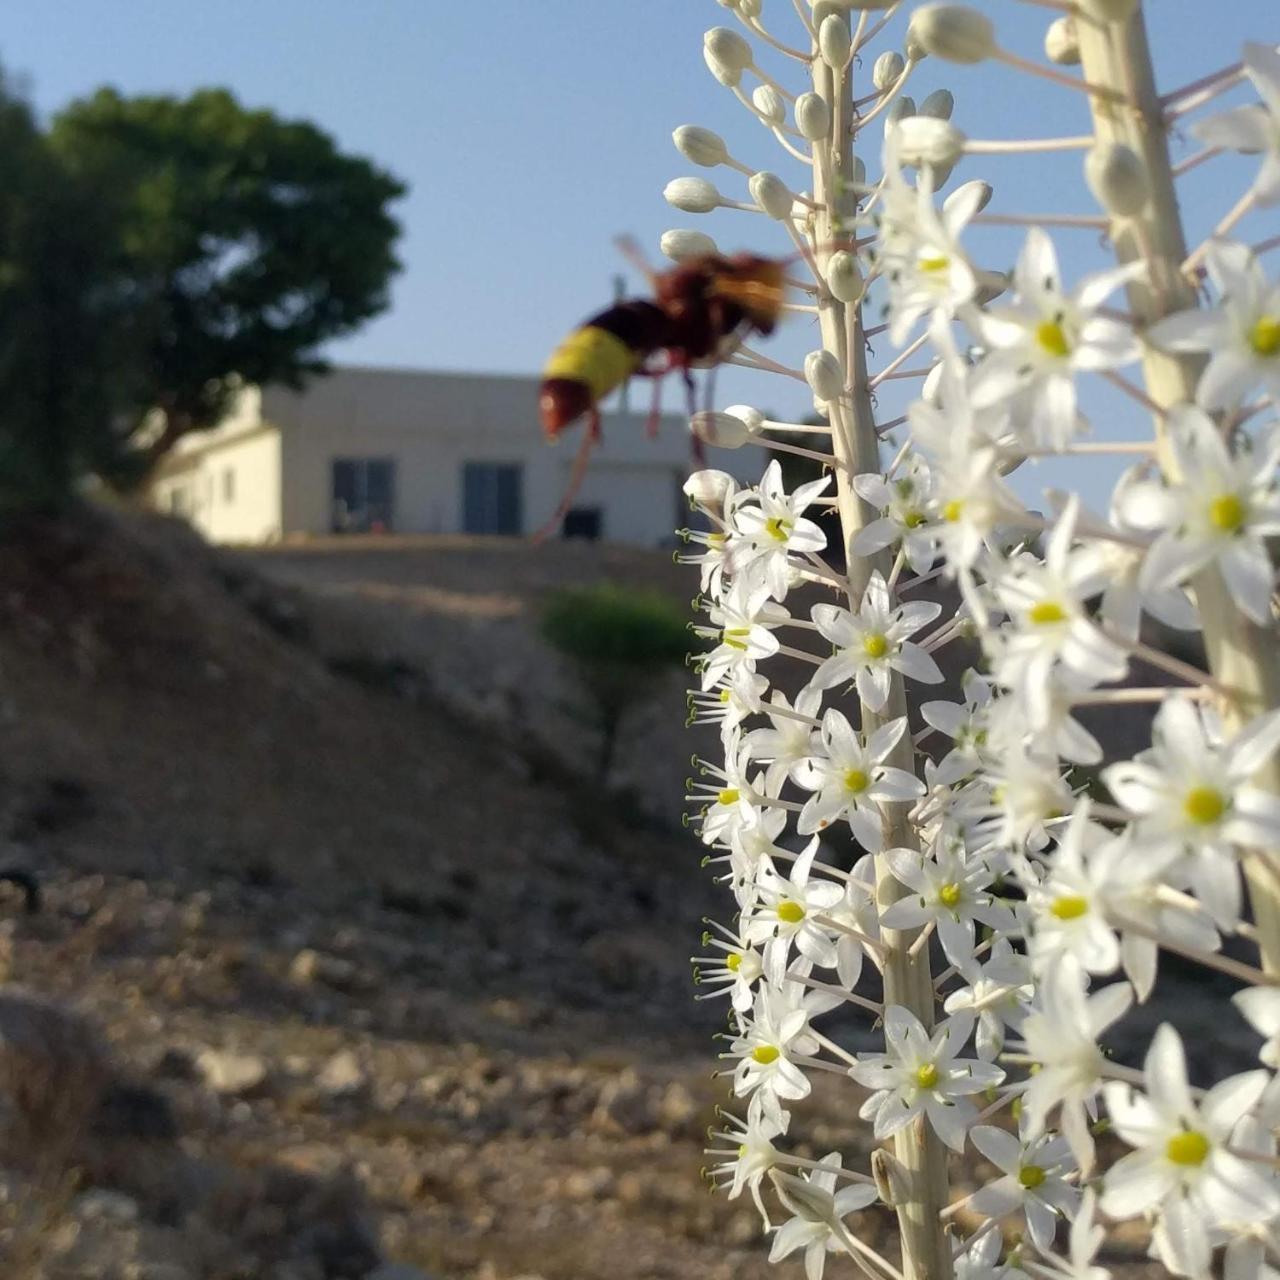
(70, 330)
(619, 639)
(251, 241)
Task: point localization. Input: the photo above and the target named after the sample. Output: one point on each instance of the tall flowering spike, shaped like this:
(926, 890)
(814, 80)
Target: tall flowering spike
(1009, 866)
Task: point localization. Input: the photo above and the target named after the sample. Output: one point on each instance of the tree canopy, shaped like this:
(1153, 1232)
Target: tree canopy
(250, 241)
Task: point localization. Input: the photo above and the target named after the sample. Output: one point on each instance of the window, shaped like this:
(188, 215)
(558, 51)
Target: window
(229, 485)
(583, 522)
(491, 498)
(363, 495)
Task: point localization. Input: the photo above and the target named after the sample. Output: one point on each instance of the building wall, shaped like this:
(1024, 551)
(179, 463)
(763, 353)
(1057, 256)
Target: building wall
(226, 481)
(434, 424)
(281, 447)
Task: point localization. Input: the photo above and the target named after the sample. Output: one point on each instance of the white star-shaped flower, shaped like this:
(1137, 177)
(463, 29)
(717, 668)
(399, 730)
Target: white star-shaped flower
(1254, 129)
(1241, 334)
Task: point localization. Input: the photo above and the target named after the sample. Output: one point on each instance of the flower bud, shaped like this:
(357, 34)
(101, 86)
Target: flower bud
(749, 8)
(728, 76)
(991, 284)
(821, 408)
(728, 48)
(844, 276)
(720, 429)
(1109, 10)
(680, 245)
(889, 66)
(859, 172)
(771, 194)
(868, 4)
(768, 102)
(922, 140)
(699, 146)
(1117, 177)
(1061, 44)
(931, 387)
(834, 41)
(976, 190)
(953, 32)
(708, 488)
(939, 104)
(813, 116)
(750, 418)
(692, 195)
(822, 372)
(902, 108)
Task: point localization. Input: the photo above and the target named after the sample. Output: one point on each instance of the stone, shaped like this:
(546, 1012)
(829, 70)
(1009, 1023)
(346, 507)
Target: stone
(106, 1206)
(231, 1073)
(342, 1075)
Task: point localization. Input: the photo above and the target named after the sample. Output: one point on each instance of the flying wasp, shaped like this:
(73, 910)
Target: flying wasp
(701, 311)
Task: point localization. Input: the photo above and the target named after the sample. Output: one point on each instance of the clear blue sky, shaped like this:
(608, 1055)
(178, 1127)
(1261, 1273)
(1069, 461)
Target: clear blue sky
(532, 133)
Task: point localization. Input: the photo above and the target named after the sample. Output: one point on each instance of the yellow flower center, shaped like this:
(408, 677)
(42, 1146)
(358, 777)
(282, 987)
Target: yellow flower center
(1264, 338)
(742, 1150)
(1226, 513)
(940, 262)
(733, 637)
(733, 961)
(953, 511)
(1052, 339)
(725, 695)
(1068, 907)
(1031, 1176)
(777, 528)
(765, 1054)
(855, 780)
(728, 796)
(927, 1076)
(1047, 612)
(1204, 806)
(950, 894)
(716, 539)
(790, 912)
(875, 646)
(913, 519)
(1189, 1149)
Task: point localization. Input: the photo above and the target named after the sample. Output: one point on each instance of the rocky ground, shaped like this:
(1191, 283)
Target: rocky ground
(338, 971)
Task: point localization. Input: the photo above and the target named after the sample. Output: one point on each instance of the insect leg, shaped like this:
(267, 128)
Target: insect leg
(577, 473)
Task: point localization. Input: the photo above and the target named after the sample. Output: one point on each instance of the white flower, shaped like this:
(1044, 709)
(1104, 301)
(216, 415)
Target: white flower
(1261, 1006)
(731, 799)
(1241, 334)
(1181, 1166)
(947, 890)
(1066, 908)
(1049, 626)
(872, 643)
(743, 623)
(791, 739)
(999, 991)
(904, 503)
(981, 1260)
(923, 1075)
(773, 527)
(965, 724)
(1039, 343)
(920, 254)
(730, 702)
(1083, 1244)
(734, 972)
(818, 1209)
(1061, 1037)
(850, 779)
(749, 1156)
(1191, 792)
(1033, 1181)
(1224, 506)
(778, 1029)
(1253, 129)
(785, 915)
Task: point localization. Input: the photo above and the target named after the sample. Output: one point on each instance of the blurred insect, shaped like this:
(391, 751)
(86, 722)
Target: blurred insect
(701, 311)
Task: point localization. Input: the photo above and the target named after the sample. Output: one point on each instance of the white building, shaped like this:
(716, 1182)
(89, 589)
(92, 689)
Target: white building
(404, 451)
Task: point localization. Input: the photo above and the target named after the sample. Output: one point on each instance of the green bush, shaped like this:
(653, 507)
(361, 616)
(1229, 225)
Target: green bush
(619, 639)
